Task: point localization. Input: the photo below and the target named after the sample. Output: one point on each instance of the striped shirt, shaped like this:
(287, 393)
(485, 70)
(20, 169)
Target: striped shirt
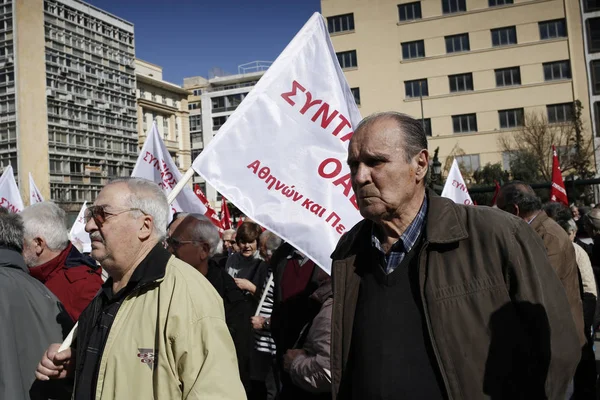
(263, 340)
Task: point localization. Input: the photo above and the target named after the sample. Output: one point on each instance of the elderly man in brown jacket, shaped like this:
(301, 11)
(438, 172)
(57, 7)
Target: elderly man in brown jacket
(438, 300)
(519, 199)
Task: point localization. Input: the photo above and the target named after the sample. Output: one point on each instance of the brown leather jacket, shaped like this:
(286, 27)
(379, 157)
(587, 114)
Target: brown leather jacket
(562, 258)
(497, 314)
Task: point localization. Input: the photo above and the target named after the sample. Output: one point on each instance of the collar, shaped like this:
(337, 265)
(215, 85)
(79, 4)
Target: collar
(43, 271)
(409, 236)
(151, 269)
(534, 217)
(539, 219)
(12, 259)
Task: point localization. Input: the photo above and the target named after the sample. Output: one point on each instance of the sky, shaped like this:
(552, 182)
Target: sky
(190, 37)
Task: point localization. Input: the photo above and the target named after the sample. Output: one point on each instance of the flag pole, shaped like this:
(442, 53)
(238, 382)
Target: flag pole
(264, 295)
(176, 190)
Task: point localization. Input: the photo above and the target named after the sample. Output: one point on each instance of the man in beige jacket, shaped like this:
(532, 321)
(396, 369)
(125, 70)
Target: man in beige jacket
(157, 328)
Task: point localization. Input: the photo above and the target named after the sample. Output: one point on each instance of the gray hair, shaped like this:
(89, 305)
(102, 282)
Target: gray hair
(272, 241)
(203, 231)
(229, 231)
(572, 226)
(148, 197)
(11, 231)
(46, 220)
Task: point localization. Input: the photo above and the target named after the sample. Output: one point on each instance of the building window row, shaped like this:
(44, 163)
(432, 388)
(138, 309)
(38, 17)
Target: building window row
(340, 23)
(347, 59)
(412, 11)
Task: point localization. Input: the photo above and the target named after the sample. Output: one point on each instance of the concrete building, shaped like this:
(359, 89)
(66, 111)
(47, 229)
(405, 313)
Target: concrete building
(167, 104)
(67, 97)
(478, 64)
(212, 101)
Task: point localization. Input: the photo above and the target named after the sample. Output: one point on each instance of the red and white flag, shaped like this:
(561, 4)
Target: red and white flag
(10, 197)
(78, 234)
(287, 144)
(225, 217)
(455, 188)
(34, 193)
(210, 212)
(155, 164)
(495, 198)
(558, 193)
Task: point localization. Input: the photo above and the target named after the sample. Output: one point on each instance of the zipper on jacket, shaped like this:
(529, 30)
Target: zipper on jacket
(426, 312)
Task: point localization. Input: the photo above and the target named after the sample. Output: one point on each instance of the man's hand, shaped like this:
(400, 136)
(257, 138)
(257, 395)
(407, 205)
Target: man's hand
(257, 322)
(290, 356)
(55, 365)
(245, 284)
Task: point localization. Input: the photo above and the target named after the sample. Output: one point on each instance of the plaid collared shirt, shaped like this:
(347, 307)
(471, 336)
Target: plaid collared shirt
(405, 243)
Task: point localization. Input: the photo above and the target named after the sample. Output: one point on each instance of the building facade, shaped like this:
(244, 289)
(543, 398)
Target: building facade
(211, 103)
(470, 68)
(67, 97)
(167, 104)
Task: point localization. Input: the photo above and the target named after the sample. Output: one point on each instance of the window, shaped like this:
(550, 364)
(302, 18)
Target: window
(595, 67)
(356, 94)
(218, 122)
(414, 49)
(347, 59)
(508, 76)
(560, 112)
(494, 3)
(591, 5)
(557, 70)
(340, 23)
(593, 33)
(504, 36)
(461, 82)
(507, 159)
(456, 43)
(195, 123)
(464, 123)
(511, 118)
(468, 162)
(597, 115)
(416, 88)
(197, 92)
(218, 103)
(410, 11)
(453, 6)
(552, 29)
(427, 126)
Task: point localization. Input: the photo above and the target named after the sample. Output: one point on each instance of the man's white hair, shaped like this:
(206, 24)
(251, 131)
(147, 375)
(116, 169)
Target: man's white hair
(46, 220)
(148, 197)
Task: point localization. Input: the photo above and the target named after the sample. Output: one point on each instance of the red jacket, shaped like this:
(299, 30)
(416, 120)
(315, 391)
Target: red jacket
(72, 277)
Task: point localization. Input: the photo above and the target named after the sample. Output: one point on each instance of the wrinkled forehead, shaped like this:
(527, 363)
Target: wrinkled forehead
(227, 236)
(113, 195)
(379, 135)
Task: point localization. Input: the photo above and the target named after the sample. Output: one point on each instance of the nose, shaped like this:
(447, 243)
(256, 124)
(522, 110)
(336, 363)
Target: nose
(91, 226)
(361, 175)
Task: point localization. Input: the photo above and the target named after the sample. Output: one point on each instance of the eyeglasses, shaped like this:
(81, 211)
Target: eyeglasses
(176, 243)
(100, 215)
(231, 242)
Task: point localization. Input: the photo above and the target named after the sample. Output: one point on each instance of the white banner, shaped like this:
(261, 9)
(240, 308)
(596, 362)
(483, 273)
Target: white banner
(155, 163)
(34, 193)
(79, 237)
(455, 188)
(10, 197)
(281, 156)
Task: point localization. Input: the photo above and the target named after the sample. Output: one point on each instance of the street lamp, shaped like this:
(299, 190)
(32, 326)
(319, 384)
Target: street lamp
(436, 165)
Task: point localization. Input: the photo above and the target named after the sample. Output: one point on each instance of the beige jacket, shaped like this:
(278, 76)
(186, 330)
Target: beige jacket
(585, 270)
(170, 341)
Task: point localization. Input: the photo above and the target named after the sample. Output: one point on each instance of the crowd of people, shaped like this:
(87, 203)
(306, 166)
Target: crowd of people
(427, 299)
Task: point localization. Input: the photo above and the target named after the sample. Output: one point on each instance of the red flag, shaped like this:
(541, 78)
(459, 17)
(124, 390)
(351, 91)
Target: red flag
(225, 217)
(558, 193)
(210, 212)
(496, 193)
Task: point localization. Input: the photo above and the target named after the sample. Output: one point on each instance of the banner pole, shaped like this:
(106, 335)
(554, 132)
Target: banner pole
(264, 295)
(170, 198)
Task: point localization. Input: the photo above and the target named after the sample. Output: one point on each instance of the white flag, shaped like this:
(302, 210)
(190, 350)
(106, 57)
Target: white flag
(34, 193)
(10, 197)
(155, 163)
(281, 156)
(78, 233)
(455, 188)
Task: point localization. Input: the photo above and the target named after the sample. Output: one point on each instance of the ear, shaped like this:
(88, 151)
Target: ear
(146, 227)
(205, 249)
(516, 208)
(39, 245)
(422, 161)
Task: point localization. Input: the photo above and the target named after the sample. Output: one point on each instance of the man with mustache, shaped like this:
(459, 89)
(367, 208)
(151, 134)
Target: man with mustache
(437, 300)
(157, 329)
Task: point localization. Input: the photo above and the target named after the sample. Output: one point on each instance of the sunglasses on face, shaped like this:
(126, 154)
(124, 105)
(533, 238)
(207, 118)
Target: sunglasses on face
(100, 215)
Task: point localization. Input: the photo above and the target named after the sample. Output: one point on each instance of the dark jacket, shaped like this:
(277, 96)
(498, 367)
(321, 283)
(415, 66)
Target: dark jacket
(30, 320)
(496, 313)
(74, 278)
(239, 309)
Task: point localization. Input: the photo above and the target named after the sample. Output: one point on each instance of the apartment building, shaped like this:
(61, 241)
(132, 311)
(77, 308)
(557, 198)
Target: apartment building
(211, 103)
(470, 68)
(67, 97)
(165, 103)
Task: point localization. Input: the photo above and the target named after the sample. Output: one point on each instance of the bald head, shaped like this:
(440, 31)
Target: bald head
(518, 198)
